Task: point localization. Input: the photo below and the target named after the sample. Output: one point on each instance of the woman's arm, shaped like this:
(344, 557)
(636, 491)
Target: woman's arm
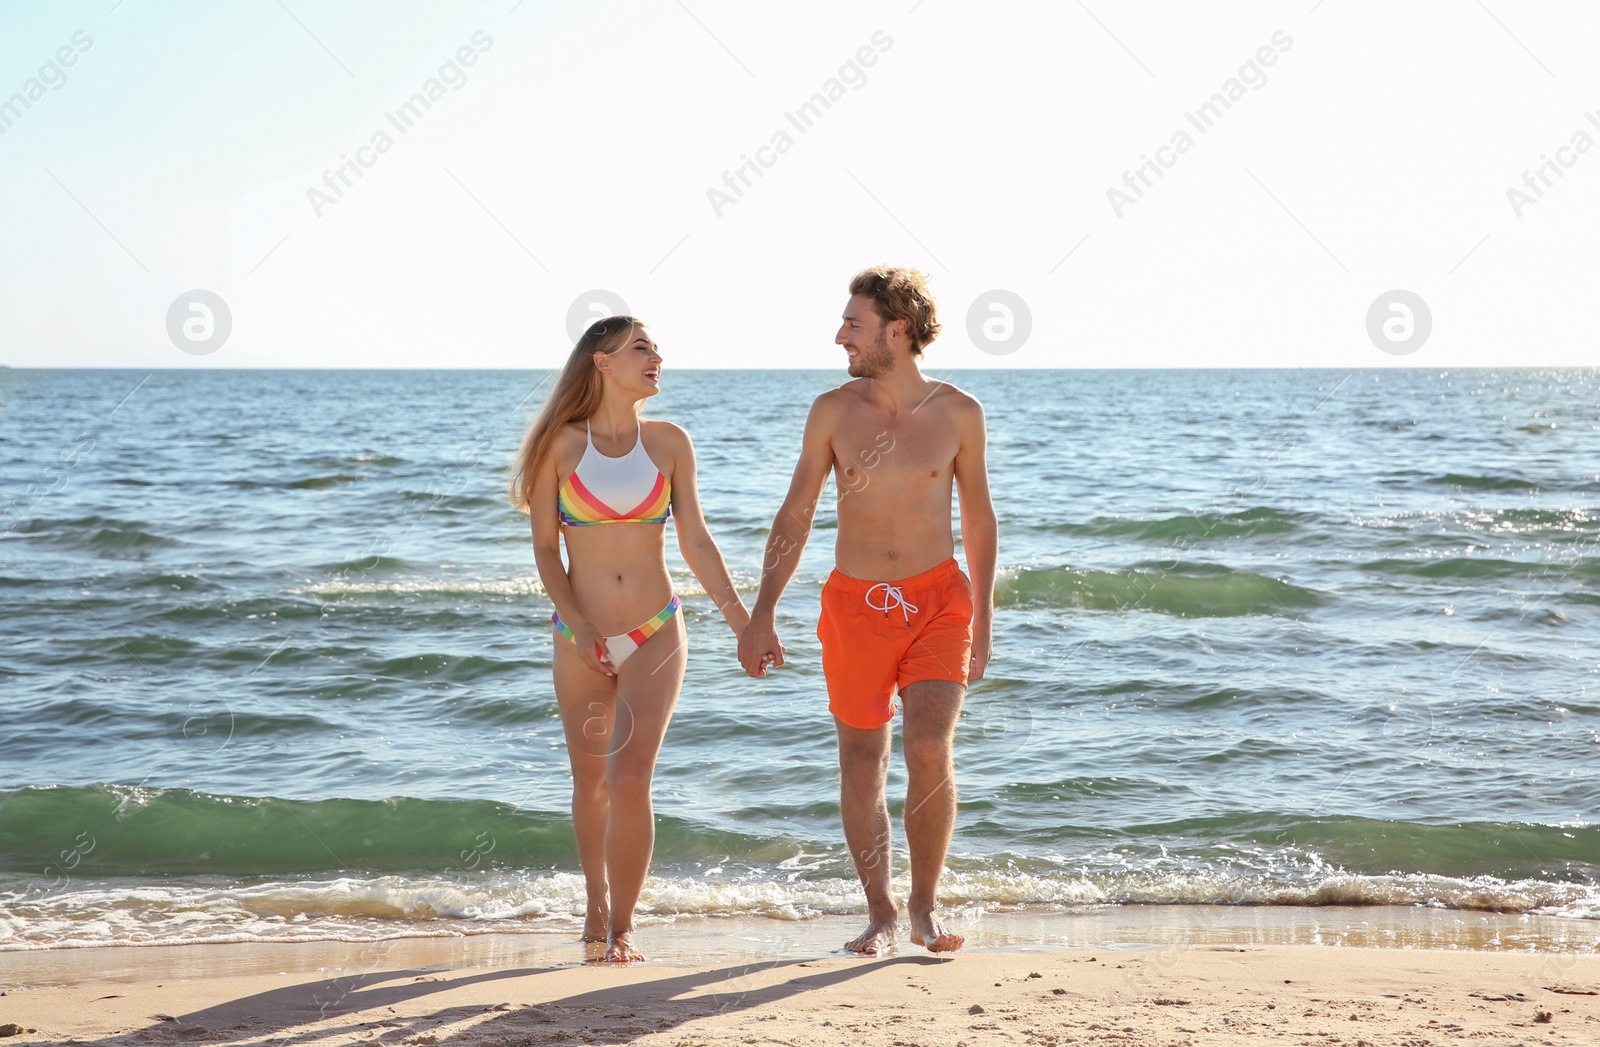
(699, 549)
(553, 573)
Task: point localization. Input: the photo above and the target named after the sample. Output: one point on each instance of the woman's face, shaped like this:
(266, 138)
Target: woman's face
(636, 367)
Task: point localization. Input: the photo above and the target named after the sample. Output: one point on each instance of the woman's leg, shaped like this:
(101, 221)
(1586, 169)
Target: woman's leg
(647, 690)
(588, 703)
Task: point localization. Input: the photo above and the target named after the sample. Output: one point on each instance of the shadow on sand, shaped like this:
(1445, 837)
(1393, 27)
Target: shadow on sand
(611, 1014)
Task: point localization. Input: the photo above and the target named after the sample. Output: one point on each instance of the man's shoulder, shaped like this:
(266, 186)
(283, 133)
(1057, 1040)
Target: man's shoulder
(951, 397)
(840, 396)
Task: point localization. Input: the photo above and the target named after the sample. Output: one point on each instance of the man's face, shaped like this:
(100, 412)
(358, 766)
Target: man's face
(864, 339)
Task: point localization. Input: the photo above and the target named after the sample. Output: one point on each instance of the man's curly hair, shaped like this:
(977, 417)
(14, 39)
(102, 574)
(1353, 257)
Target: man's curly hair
(900, 294)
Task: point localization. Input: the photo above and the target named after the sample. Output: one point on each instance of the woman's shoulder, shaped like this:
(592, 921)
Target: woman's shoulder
(669, 434)
(572, 433)
(567, 445)
(667, 442)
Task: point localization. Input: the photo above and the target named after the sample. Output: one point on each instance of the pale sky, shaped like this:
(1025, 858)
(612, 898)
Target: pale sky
(578, 150)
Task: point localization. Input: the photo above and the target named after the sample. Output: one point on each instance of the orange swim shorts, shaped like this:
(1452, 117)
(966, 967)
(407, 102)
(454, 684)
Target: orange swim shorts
(880, 636)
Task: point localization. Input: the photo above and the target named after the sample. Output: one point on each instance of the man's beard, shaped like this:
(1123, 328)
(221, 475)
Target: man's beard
(874, 362)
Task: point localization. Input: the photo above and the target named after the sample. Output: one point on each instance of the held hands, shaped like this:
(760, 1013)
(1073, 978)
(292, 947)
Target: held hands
(592, 648)
(759, 646)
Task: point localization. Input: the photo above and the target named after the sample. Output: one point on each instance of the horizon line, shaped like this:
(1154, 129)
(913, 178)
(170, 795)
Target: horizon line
(779, 370)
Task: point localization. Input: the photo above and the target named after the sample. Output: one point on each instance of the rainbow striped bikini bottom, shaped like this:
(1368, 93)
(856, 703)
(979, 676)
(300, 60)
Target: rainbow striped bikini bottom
(624, 644)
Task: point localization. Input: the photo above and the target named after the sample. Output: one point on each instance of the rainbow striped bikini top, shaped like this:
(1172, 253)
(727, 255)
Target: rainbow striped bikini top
(600, 482)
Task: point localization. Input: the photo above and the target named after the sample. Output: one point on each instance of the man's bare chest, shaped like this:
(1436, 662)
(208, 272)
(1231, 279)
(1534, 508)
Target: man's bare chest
(907, 452)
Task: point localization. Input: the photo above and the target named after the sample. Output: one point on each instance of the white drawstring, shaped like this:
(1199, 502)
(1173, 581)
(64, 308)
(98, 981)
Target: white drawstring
(892, 598)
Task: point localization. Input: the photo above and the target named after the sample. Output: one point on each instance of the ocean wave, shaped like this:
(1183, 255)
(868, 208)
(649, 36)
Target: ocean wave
(304, 483)
(1487, 568)
(135, 830)
(1186, 590)
(317, 483)
(146, 649)
(450, 668)
(106, 535)
(366, 565)
(147, 831)
(185, 721)
(1247, 523)
(176, 580)
(111, 912)
(432, 587)
(506, 712)
(1236, 698)
(209, 613)
(1484, 482)
(684, 583)
(430, 501)
(1548, 525)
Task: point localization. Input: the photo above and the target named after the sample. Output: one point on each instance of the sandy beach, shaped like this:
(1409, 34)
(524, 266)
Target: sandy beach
(1474, 984)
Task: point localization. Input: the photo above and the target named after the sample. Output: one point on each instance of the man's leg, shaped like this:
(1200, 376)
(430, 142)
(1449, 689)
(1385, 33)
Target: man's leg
(863, 765)
(930, 709)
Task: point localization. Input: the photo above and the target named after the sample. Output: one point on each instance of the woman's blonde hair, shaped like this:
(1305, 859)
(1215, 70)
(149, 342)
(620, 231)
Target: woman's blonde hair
(575, 398)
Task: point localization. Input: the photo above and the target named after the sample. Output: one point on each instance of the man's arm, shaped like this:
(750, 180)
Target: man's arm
(758, 644)
(980, 533)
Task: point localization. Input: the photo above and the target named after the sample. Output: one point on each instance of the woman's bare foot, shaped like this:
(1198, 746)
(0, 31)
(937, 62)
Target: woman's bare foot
(594, 925)
(928, 931)
(621, 949)
(878, 938)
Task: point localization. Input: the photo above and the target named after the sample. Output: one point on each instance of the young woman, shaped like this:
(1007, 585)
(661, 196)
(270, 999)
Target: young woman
(591, 469)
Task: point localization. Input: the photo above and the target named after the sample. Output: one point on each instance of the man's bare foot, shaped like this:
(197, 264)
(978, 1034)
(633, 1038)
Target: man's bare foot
(622, 950)
(928, 931)
(878, 938)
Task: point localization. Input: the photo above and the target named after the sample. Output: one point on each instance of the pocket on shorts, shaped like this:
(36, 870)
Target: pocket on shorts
(962, 593)
(829, 607)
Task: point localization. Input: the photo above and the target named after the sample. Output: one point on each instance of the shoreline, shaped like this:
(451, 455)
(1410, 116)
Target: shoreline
(1344, 976)
(692, 941)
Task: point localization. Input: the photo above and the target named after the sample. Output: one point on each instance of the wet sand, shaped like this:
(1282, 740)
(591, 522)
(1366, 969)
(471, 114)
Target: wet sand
(1132, 975)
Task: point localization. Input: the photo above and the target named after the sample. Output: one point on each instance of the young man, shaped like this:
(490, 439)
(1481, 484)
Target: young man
(897, 612)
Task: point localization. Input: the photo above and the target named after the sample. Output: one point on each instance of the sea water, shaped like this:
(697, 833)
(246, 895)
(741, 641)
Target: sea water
(277, 657)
